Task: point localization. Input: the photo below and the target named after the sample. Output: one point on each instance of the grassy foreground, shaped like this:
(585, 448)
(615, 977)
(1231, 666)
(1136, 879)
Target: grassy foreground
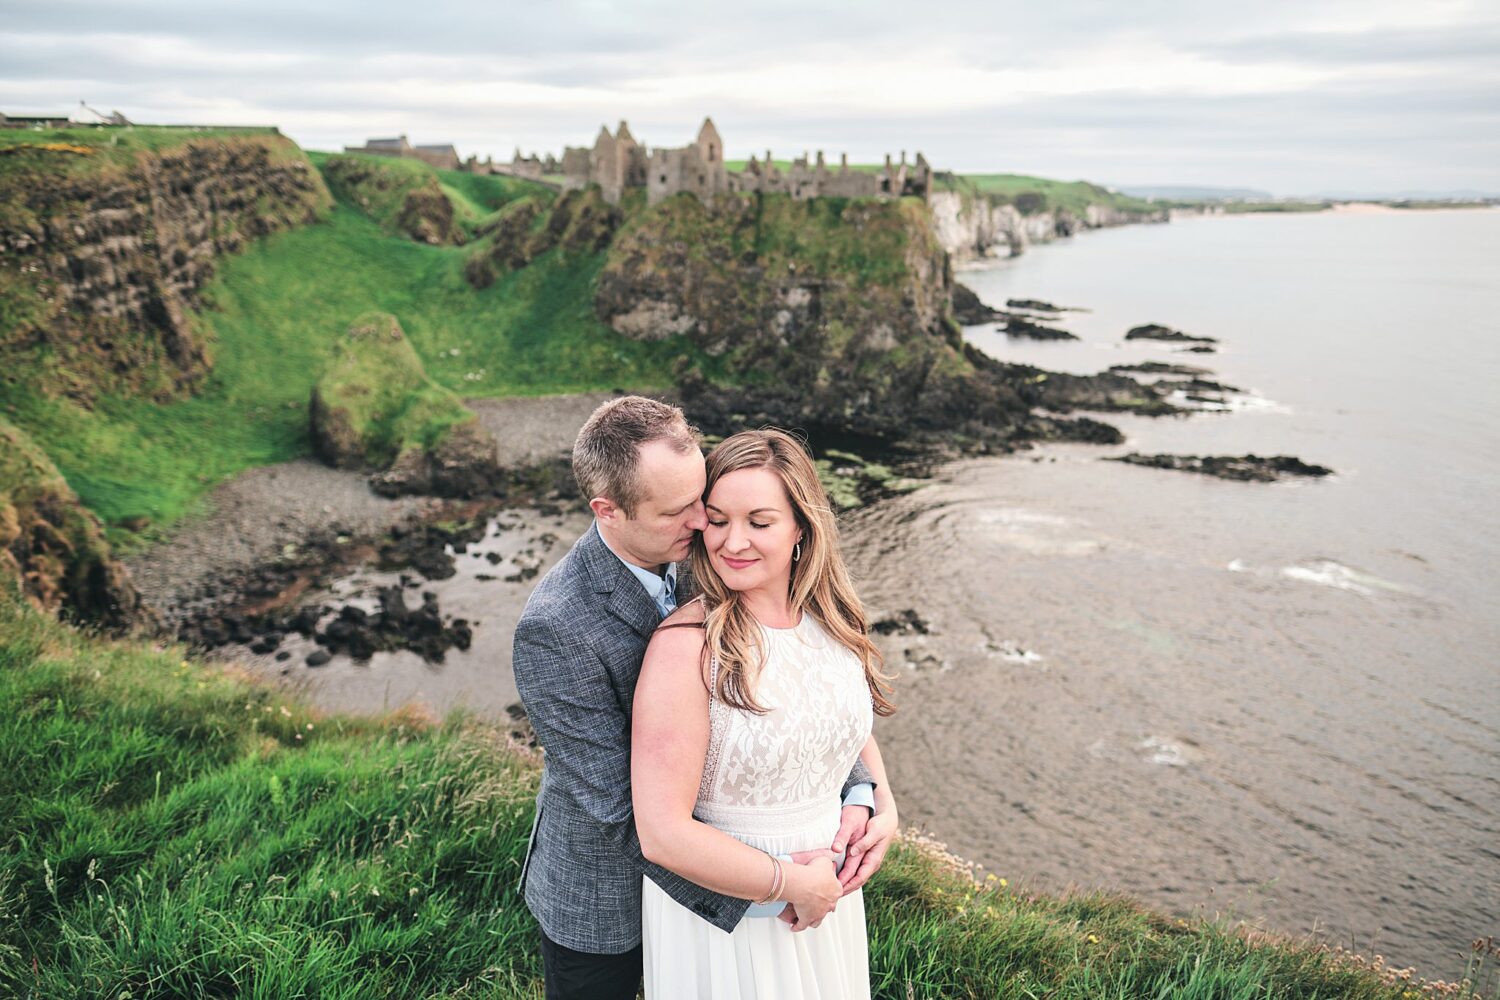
(169, 828)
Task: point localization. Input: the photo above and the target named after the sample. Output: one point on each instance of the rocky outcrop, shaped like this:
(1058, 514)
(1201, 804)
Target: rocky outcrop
(579, 222)
(102, 255)
(53, 547)
(1242, 468)
(829, 314)
(1022, 326)
(404, 196)
(970, 310)
(1155, 331)
(375, 408)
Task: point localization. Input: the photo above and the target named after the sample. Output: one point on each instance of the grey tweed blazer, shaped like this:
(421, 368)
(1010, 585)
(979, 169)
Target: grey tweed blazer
(578, 651)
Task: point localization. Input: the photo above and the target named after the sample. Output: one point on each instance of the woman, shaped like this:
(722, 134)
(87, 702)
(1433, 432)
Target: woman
(753, 702)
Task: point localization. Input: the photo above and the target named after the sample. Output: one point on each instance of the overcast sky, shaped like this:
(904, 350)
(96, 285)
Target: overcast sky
(1292, 97)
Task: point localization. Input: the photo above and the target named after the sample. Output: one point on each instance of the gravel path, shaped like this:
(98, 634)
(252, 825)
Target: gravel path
(251, 517)
(538, 427)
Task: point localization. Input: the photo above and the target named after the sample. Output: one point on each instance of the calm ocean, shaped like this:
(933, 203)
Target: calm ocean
(1277, 703)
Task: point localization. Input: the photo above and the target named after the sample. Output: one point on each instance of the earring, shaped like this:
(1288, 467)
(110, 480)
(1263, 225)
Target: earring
(796, 551)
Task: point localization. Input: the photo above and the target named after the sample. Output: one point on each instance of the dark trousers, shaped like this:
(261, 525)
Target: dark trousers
(581, 975)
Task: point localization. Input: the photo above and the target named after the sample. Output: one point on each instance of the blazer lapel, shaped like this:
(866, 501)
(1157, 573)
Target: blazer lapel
(631, 604)
(628, 600)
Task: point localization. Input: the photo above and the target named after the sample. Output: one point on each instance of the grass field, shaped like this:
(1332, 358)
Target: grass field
(1031, 195)
(168, 828)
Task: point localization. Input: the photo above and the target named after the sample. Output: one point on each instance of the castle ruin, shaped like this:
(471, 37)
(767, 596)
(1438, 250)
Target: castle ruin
(618, 162)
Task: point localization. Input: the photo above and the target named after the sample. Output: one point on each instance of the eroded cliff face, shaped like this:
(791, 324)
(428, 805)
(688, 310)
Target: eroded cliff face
(829, 314)
(101, 264)
(840, 305)
(971, 226)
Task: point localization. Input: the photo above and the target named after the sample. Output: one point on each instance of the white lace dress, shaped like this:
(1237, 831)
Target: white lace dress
(773, 782)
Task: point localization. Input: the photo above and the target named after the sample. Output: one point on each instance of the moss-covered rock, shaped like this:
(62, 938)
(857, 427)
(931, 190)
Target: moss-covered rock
(375, 408)
(579, 222)
(404, 196)
(53, 545)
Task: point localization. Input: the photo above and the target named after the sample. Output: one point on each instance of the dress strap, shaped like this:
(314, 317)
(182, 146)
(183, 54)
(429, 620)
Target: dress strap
(680, 625)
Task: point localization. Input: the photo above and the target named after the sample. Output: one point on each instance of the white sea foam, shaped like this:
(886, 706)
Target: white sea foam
(1327, 573)
(1160, 750)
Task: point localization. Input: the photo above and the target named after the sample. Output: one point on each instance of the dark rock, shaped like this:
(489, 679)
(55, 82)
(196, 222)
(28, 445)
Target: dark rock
(1020, 326)
(1155, 331)
(969, 310)
(1037, 305)
(1160, 368)
(318, 657)
(1243, 468)
(906, 622)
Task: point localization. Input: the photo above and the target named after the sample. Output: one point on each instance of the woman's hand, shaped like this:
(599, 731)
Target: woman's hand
(867, 853)
(811, 891)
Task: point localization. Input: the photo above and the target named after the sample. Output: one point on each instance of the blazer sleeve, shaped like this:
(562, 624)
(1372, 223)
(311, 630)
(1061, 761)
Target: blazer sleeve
(579, 722)
(859, 776)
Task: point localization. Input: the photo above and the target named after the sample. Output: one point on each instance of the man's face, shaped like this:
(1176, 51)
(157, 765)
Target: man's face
(669, 513)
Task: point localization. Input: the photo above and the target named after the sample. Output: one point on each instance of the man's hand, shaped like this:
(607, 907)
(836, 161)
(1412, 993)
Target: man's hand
(852, 823)
(868, 852)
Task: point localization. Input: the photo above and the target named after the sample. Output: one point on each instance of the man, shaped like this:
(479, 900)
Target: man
(578, 651)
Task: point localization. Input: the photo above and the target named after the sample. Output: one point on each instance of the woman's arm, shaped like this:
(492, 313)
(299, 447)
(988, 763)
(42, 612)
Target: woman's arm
(669, 742)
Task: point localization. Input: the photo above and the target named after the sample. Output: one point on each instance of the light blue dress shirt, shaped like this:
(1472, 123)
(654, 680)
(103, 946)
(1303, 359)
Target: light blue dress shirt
(663, 591)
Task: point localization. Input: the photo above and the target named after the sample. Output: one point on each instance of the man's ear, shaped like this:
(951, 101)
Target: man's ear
(605, 509)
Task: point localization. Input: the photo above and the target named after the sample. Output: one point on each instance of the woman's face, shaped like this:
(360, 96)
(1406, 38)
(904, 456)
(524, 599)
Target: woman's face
(751, 531)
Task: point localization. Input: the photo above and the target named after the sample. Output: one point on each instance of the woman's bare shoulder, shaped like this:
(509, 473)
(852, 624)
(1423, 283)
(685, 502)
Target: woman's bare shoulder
(689, 615)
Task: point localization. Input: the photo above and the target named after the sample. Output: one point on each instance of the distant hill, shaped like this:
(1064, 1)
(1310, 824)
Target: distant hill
(1187, 192)
(1465, 194)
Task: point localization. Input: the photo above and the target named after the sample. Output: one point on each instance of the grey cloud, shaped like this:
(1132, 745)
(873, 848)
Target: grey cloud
(1465, 43)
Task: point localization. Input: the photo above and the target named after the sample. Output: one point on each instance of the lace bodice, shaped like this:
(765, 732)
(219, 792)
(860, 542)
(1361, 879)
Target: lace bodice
(780, 774)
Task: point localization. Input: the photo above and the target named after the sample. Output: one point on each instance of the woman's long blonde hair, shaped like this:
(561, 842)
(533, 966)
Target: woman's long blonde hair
(820, 584)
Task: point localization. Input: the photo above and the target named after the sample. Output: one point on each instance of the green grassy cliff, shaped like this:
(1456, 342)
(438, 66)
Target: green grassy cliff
(171, 829)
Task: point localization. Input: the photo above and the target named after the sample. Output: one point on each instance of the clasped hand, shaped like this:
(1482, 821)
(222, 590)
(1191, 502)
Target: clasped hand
(867, 839)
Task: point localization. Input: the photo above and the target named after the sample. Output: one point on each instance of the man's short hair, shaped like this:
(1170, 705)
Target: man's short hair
(607, 452)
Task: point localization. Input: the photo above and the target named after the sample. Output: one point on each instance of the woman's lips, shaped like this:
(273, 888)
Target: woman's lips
(738, 563)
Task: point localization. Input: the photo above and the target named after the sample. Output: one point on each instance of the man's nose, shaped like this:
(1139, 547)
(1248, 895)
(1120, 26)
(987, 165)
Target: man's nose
(699, 520)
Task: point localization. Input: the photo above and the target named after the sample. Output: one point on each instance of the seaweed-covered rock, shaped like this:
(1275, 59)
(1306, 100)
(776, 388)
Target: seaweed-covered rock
(1155, 331)
(1243, 468)
(1022, 326)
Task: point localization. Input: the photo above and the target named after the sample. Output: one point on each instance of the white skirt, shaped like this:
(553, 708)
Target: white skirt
(687, 958)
